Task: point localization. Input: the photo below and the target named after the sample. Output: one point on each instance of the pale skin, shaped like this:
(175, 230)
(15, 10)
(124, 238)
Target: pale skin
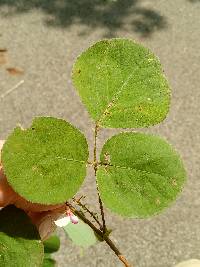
(43, 216)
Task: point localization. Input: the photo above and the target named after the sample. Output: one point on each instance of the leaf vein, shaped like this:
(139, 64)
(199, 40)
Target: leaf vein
(115, 97)
(150, 181)
(131, 168)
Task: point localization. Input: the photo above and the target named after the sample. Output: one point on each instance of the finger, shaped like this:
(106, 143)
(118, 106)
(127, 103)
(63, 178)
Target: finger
(37, 216)
(1, 146)
(45, 221)
(1, 143)
(7, 195)
(22, 203)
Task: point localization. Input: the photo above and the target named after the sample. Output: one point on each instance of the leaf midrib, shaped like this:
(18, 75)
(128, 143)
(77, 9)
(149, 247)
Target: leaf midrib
(134, 169)
(62, 158)
(114, 98)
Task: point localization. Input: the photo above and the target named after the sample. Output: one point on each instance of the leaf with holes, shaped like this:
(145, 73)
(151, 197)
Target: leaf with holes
(140, 174)
(122, 84)
(46, 163)
(20, 244)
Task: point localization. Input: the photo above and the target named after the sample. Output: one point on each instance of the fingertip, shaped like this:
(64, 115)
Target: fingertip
(45, 221)
(6, 192)
(1, 146)
(46, 227)
(22, 203)
(1, 143)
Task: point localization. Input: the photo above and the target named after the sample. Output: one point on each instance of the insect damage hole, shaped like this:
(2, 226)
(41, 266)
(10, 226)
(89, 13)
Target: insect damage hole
(174, 182)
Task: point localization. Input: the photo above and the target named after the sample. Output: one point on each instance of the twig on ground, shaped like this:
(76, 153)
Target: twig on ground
(12, 89)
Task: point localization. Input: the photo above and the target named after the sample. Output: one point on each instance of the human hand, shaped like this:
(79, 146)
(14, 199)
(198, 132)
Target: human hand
(43, 216)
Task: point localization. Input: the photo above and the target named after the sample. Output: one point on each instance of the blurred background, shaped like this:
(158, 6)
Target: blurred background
(39, 41)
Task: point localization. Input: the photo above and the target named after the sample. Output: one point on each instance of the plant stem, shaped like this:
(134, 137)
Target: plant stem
(102, 213)
(95, 142)
(83, 218)
(95, 173)
(102, 235)
(117, 252)
(102, 232)
(83, 206)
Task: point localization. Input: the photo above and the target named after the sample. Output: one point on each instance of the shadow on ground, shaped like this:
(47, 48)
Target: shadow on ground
(194, 1)
(107, 14)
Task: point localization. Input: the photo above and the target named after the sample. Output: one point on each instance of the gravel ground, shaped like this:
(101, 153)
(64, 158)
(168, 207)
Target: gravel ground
(42, 40)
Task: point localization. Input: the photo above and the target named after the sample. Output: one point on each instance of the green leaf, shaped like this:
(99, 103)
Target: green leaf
(46, 163)
(122, 84)
(81, 234)
(20, 244)
(48, 262)
(52, 244)
(140, 174)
